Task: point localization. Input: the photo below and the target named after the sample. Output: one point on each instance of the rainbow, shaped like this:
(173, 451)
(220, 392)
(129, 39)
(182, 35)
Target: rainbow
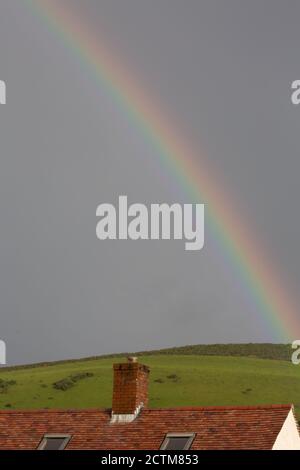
(255, 271)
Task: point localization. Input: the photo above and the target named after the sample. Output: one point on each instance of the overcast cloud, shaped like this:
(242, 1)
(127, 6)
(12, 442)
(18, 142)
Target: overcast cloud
(223, 69)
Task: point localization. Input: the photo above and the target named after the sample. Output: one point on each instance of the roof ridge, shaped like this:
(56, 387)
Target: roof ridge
(56, 410)
(179, 408)
(229, 407)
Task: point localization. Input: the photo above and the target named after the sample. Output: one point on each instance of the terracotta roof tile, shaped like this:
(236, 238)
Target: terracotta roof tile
(250, 427)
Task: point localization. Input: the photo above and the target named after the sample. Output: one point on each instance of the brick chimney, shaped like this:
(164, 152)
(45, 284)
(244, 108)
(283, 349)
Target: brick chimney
(130, 390)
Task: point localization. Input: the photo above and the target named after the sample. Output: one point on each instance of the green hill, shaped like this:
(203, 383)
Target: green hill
(191, 375)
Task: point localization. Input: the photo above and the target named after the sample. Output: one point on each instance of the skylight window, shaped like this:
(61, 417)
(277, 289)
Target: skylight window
(54, 442)
(178, 441)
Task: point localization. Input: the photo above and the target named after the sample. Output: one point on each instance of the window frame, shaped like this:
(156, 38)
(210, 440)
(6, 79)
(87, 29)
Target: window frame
(66, 439)
(190, 435)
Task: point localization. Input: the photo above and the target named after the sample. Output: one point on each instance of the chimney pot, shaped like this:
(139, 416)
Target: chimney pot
(132, 359)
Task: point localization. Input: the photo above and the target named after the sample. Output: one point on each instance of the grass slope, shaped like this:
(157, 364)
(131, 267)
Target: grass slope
(259, 350)
(176, 380)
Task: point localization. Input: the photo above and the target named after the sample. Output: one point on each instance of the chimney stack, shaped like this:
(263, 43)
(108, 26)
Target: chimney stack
(130, 390)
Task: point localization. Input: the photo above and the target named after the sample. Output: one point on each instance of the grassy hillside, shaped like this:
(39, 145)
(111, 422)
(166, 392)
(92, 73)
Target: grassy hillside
(176, 380)
(277, 351)
(258, 350)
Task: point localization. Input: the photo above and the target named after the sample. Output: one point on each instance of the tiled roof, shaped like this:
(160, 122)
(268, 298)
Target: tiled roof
(253, 427)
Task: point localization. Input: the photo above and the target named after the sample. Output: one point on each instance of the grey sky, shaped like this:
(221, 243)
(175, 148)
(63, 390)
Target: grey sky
(223, 69)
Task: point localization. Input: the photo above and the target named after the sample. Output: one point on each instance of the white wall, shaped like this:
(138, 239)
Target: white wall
(288, 438)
